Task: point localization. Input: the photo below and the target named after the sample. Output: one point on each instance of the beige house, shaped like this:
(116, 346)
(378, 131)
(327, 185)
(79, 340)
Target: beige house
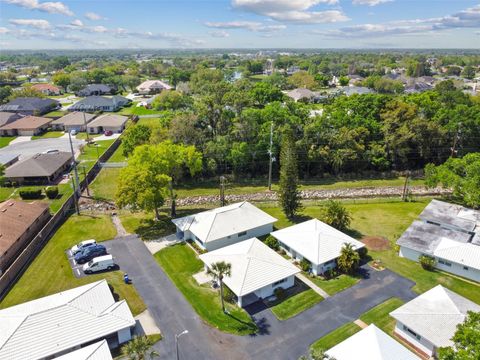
(153, 87)
(26, 126)
(73, 121)
(107, 122)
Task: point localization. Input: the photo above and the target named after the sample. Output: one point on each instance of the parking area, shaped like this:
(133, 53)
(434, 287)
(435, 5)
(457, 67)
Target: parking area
(78, 268)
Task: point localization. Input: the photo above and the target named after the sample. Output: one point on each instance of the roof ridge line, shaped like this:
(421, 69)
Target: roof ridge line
(245, 275)
(100, 343)
(13, 332)
(211, 226)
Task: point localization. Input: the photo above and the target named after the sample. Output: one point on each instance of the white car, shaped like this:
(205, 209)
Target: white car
(82, 245)
(99, 263)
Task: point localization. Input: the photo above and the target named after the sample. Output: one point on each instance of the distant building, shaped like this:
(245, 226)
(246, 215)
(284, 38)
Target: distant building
(107, 122)
(19, 224)
(153, 87)
(301, 94)
(47, 89)
(356, 90)
(26, 126)
(8, 117)
(73, 121)
(30, 106)
(39, 168)
(96, 89)
(100, 103)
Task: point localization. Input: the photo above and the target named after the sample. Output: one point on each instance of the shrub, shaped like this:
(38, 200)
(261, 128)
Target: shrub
(28, 193)
(228, 295)
(51, 192)
(363, 252)
(336, 215)
(305, 265)
(279, 293)
(427, 262)
(272, 243)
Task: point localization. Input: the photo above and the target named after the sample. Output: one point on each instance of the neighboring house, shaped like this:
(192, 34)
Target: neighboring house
(96, 89)
(73, 121)
(60, 323)
(449, 233)
(30, 106)
(301, 94)
(7, 118)
(373, 344)
(417, 87)
(107, 122)
(20, 222)
(315, 241)
(47, 89)
(429, 321)
(39, 168)
(256, 270)
(96, 351)
(100, 103)
(153, 87)
(26, 126)
(224, 226)
(7, 159)
(356, 90)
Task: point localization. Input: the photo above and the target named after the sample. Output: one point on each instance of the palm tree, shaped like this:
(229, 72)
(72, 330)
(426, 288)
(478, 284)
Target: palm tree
(349, 259)
(219, 270)
(139, 348)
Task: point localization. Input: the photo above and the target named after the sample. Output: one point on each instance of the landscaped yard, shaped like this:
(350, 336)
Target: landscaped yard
(180, 263)
(49, 135)
(142, 223)
(5, 140)
(335, 285)
(50, 272)
(5, 192)
(55, 114)
(296, 304)
(89, 154)
(118, 156)
(64, 191)
(105, 184)
(336, 336)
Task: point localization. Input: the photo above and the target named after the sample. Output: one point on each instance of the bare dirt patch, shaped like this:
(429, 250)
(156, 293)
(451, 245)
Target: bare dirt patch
(376, 243)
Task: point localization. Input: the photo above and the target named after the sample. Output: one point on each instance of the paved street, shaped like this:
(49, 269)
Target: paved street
(276, 340)
(28, 148)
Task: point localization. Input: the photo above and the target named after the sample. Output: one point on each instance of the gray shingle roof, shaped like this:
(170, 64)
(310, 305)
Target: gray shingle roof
(29, 104)
(38, 165)
(8, 117)
(93, 103)
(108, 120)
(74, 118)
(451, 214)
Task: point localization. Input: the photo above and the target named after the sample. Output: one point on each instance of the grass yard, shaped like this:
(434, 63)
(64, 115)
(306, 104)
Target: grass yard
(335, 285)
(296, 304)
(336, 336)
(379, 315)
(55, 114)
(83, 136)
(144, 226)
(89, 154)
(5, 140)
(150, 122)
(49, 135)
(5, 192)
(118, 156)
(105, 184)
(50, 272)
(180, 263)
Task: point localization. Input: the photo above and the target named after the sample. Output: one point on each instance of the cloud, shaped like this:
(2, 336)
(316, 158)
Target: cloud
(247, 25)
(94, 16)
(296, 11)
(219, 34)
(370, 2)
(98, 29)
(36, 23)
(4, 30)
(77, 22)
(49, 7)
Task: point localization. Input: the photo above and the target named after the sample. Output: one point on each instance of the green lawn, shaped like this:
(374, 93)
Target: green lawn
(336, 336)
(142, 224)
(83, 135)
(89, 154)
(50, 272)
(5, 140)
(5, 192)
(180, 263)
(150, 122)
(296, 304)
(105, 184)
(55, 114)
(64, 191)
(379, 315)
(49, 135)
(118, 156)
(335, 285)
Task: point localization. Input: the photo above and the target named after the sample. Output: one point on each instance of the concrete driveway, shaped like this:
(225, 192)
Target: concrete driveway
(276, 339)
(28, 148)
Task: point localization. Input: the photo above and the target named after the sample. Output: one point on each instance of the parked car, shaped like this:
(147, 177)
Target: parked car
(89, 253)
(82, 245)
(73, 132)
(99, 263)
(108, 133)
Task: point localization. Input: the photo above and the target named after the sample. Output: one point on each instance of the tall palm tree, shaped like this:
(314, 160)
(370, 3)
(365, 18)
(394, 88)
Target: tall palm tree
(139, 348)
(349, 259)
(219, 270)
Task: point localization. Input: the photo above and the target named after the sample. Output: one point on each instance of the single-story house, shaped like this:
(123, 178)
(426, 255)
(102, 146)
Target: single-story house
(96, 89)
(356, 90)
(19, 224)
(30, 106)
(57, 324)
(256, 270)
(96, 351)
(216, 228)
(373, 344)
(100, 103)
(153, 87)
(73, 121)
(315, 241)
(42, 168)
(47, 89)
(107, 122)
(450, 234)
(301, 94)
(429, 321)
(7, 159)
(8, 117)
(26, 126)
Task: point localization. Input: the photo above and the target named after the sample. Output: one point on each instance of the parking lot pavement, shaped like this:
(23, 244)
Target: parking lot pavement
(78, 268)
(28, 148)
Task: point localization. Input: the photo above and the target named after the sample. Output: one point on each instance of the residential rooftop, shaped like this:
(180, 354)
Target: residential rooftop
(74, 118)
(27, 123)
(39, 165)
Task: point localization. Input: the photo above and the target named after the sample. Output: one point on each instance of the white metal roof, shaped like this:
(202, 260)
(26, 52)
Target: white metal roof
(254, 265)
(465, 254)
(315, 240)
(435, 314)
(373, 344)
(49, 325)
(224, 221)
(97, 351)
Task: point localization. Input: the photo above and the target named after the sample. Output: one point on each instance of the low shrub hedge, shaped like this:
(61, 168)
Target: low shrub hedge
(29, 194)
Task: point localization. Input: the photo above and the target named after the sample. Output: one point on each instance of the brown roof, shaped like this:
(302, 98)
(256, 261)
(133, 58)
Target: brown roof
(74, 118)
(39, 165)
(27, 123)
(42, 87)
(108, 120)
(15, 218)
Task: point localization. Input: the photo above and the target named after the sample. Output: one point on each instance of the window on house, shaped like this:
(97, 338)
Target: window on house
(243, 233)
(443, 262)
(418, 337)
(465, 268)
(279, 282)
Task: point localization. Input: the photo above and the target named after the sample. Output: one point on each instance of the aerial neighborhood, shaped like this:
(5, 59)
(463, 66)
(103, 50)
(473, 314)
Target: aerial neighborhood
(238, 193)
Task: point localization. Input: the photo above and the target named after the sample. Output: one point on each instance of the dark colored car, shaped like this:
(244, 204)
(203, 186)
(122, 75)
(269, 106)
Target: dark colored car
(108, 133)
(90, 253)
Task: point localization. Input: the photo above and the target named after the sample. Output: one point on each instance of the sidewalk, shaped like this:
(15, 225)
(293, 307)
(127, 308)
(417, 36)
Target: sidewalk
(314, 287)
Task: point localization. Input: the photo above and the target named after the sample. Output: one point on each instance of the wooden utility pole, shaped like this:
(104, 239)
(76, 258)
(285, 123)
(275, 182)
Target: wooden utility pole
(405, 186)
(222, 190)
(86, 180)
(173, 199)
(270, 152)
(455, 142)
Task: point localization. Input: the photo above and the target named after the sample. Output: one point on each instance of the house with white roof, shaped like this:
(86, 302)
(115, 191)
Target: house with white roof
(373, 344)
(60, 323)
(315, 241)
(256, 270)
(224, 226)
(449, 233)
(96, 351)
(153, 87)
(429, 321)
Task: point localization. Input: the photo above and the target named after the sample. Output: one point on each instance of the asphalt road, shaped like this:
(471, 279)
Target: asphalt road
(32, 147)
(276, 339)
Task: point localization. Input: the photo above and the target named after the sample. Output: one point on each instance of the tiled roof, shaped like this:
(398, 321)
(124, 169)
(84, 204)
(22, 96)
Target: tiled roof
(27, 123)
(38, 165)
